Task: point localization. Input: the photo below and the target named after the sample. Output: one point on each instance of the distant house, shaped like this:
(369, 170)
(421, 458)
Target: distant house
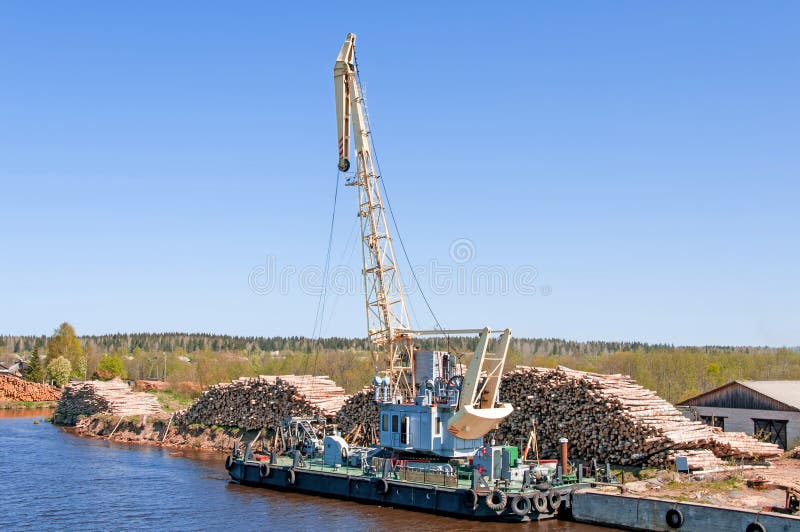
(769, 410)
(14, 369)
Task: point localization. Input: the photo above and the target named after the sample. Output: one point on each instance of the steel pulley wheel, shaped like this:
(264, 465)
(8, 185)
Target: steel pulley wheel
(456, 381)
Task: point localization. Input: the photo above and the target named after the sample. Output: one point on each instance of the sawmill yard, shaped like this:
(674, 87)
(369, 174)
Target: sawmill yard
(629, 421)
(609, 417)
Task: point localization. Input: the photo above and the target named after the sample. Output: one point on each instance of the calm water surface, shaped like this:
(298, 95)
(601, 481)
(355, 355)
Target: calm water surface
(54, 480)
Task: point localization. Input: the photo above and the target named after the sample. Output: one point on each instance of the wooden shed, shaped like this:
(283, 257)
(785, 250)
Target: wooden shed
(768, 410)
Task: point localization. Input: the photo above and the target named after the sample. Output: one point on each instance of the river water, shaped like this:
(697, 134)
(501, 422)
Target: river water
(54, 480)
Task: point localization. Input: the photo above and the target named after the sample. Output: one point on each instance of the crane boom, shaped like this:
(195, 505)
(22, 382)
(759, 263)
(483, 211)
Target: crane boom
(388, 327)
(418, 400)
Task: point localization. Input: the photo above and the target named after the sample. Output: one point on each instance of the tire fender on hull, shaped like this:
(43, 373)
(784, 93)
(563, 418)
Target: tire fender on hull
(470, 499)
(540, 502)
(553, 500)
(521, 505)
(674, 518)
(382, 486)
(497, 500)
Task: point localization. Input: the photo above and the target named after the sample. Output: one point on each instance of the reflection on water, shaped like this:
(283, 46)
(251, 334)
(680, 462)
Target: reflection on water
(54, 479)
(26, 412)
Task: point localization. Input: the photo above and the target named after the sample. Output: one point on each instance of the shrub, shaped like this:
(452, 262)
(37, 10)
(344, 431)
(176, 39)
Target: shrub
(59, 370)
(109, 367)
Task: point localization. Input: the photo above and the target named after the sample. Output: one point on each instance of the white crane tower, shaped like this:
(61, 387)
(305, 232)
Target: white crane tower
(423, 392)
(388, 326)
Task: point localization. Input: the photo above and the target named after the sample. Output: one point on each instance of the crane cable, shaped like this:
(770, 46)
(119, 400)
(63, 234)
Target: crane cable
(389, 203)
(318, 319)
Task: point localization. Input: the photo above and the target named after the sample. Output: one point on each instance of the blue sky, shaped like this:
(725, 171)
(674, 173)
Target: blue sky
(642, 157)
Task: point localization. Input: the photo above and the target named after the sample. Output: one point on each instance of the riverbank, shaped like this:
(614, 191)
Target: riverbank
(750, 489)
(17, 405)
(103, 485)
(158, 430)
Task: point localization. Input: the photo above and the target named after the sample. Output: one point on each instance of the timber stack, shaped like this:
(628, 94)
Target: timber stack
(358, 418)
(613, 419)
(265, 401)
(15, 389)
(738, 445)
(111, 397)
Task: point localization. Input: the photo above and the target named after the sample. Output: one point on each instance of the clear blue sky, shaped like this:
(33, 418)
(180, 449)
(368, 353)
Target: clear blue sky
(642, 156)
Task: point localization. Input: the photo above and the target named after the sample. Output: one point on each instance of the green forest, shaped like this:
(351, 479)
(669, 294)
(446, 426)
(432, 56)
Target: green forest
(675, 372)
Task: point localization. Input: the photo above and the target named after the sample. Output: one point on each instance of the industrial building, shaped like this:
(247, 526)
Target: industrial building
(769, 410)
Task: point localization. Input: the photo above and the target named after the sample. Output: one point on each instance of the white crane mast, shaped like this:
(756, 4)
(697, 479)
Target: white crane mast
(469, 410)
(388, 327)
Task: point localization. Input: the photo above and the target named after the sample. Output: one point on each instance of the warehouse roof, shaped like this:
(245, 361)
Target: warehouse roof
(755, 395)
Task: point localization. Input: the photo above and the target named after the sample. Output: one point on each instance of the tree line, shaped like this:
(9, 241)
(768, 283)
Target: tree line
(189, 342)
(674, 372)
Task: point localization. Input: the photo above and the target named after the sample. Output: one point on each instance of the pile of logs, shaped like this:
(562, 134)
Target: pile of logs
(149, 386)
(358, 418)
(702, 459)
(264, 401)
(112, 397)
(15, 389)
(740, 445)
(611, 418)
(607, 417)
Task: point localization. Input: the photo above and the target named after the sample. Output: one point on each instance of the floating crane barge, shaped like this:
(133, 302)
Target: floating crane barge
(432, 454)
(413, 488)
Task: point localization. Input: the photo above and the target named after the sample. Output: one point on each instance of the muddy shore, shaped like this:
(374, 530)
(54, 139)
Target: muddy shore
(157, 430)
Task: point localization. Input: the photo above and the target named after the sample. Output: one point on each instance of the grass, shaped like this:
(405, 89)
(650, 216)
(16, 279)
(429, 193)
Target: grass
(689, 491)
(9, 405)
(648, 473)
(171, 401)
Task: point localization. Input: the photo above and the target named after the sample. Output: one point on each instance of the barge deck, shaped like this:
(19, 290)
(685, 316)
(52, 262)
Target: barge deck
(420, 490)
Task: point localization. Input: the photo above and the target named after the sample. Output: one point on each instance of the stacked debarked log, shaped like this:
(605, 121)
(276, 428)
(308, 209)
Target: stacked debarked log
(264, 401)
(358, 418)
(611, 418)
(740, 445)
(112, 397)
(15, 389)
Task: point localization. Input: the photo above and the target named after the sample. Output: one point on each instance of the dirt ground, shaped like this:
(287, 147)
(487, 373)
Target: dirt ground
(734, 487)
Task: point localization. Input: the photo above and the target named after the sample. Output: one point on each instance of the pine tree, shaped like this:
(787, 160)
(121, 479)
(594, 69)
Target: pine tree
(35, 371)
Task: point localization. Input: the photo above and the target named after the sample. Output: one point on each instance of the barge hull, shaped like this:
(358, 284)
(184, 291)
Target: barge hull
(456, 502)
